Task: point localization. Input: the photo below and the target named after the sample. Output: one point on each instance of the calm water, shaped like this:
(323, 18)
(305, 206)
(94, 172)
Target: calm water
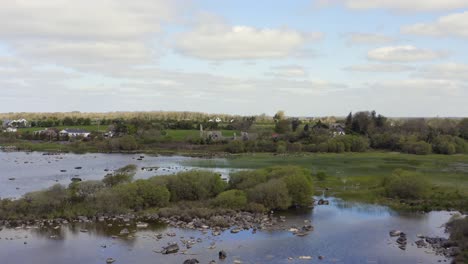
(344, 232)
(34, 171)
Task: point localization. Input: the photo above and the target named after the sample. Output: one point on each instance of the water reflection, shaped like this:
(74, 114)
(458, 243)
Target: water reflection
(344, 232)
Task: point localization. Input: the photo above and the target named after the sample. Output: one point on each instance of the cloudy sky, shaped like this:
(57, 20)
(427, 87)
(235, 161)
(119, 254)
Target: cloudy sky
(307, 57)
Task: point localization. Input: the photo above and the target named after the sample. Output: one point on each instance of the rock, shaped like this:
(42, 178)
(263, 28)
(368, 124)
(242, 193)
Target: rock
(323, 202)
(142, 225)
(401, 240)
(222, 254)
(235, 230)
(173, 248)
(420, 243)
(110, 260)
(76, 179)
(394, 233)
(191, 261)
(124, 232)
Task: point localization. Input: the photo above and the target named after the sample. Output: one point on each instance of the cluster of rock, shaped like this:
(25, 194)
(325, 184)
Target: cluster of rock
(441, 246)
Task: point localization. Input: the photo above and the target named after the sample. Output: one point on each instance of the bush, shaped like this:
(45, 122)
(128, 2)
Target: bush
(152, 195)
(122, 175)
(235, 146)
(272, 194)
(281, 147)
(321, 176)
(232, 199)
(244, 180)
(194, 185)
(299, 188)
(405, 185)
(458, 228)
(417, 147)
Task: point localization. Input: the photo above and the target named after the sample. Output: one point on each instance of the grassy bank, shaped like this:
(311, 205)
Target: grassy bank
(359, 176)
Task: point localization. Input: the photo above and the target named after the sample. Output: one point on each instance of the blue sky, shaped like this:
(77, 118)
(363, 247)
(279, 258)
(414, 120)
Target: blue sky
(309, 58)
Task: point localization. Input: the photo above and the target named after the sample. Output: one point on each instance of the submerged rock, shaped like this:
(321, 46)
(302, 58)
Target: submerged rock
(191, 261)
(222, 254)
(173, 248)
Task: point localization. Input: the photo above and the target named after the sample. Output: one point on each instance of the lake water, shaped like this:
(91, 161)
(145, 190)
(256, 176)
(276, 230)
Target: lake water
(344, 232)
(34, 171)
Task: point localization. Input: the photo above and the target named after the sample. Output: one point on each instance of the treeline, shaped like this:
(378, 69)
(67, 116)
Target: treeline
(151, 115)
(256, 191)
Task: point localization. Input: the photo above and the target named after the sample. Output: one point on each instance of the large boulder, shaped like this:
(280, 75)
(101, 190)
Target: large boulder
(222, 254)
(191, 261)
(173, 248)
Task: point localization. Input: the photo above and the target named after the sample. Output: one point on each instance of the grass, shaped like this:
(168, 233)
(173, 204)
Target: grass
(183, 135)
(353, 173)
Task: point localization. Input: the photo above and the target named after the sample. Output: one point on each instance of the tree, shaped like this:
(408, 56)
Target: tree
(232, 199)
(295, 122)
(349, 122)
(282, 126)
(272, 194)
(299, 188)
(279, 116)
(405, 185)
(463, 128)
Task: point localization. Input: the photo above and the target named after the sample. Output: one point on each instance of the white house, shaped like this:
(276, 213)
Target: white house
(11, 130)
(74, 133)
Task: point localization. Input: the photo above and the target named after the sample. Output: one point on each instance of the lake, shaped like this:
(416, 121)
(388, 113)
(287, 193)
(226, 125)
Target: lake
(34, 171)
(344, 232)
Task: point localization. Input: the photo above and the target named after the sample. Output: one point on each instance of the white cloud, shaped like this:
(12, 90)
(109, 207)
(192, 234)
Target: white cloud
(450, 25)
(86, 31)
(219, 41)
(388, 67)
(401, 5)
(405, 53)
(447, 71)
(368, 38)
(288, 71)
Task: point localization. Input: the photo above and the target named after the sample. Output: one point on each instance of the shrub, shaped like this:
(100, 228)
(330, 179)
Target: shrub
(194, 185)
(235, 146)
(405, 185)
(232, 199)
(272, 194)
(299, 188)
(243, 180)
(152, 195)
(281, 147)
(417, 147)
(122, 175)
(321, 176)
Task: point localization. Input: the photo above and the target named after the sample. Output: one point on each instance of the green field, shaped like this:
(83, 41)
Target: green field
(363, 168)
(182, 135)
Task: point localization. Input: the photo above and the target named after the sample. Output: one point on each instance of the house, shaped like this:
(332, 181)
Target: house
(337, 129)
(217, 120)
(213, 135)
(48, 133)
(15, 123)
(18, 123)
(10, 130)
(72, 132)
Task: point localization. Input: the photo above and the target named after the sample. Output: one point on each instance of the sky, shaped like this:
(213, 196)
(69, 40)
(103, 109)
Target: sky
(307, 57)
